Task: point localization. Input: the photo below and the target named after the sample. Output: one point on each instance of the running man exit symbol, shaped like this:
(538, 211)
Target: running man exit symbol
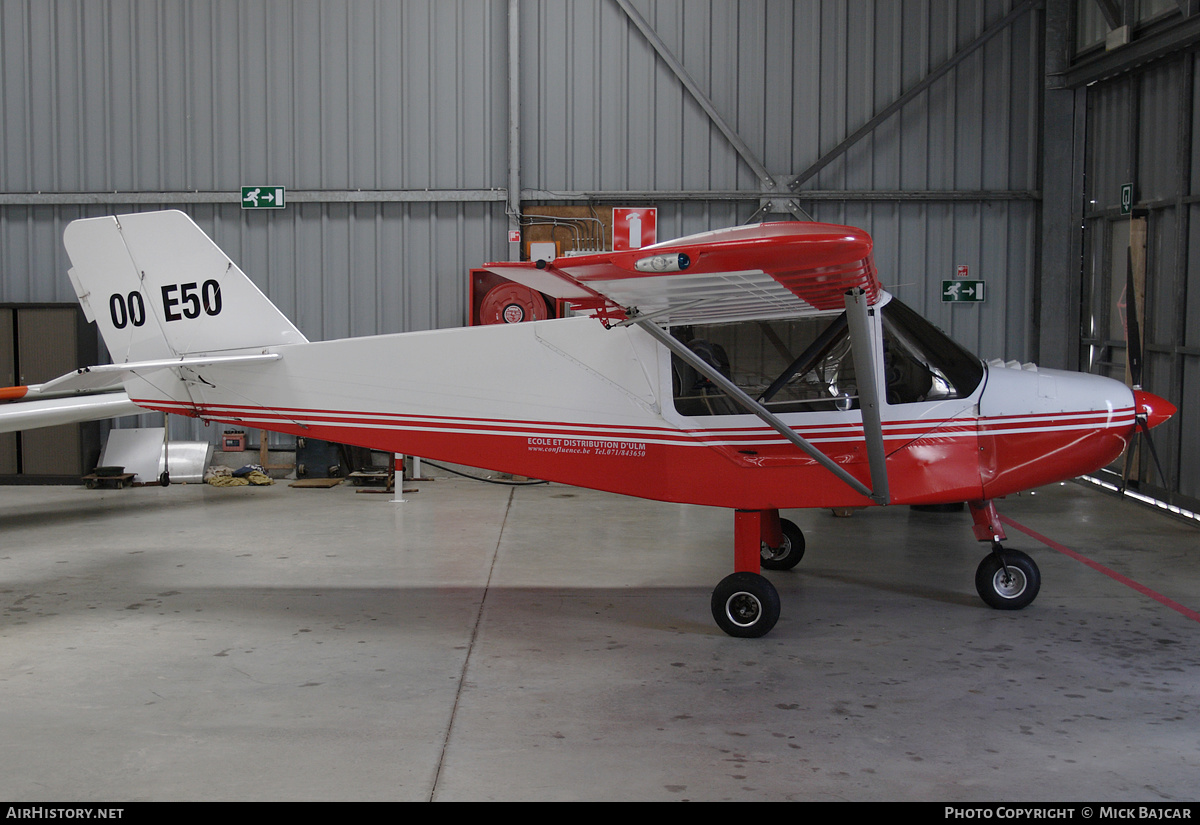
(969, 292)
(263, 197)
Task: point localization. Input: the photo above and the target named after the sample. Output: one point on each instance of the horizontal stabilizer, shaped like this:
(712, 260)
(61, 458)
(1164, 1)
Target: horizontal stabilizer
(103, 376)
(49, 412)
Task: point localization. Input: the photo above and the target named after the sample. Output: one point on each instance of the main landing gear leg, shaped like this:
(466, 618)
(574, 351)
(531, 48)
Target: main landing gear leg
(745, 604)
(1005, 579)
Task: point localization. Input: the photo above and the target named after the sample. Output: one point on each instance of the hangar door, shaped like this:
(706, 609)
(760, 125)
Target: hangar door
(39, 342)
(1140, 135)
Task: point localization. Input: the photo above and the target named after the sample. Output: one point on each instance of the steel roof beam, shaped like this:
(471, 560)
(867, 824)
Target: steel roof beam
(765, 178)
(925, 83)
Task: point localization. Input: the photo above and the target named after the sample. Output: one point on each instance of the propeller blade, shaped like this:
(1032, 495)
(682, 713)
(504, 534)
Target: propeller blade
(1145, 428)
(1133, 336)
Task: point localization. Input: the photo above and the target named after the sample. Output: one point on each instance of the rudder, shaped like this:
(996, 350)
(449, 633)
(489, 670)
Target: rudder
(158, 287)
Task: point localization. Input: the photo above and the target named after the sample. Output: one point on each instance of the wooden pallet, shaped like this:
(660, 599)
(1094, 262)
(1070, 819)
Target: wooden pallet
(116, 481)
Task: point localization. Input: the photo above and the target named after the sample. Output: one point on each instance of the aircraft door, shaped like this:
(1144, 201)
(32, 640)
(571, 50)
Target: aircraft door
(931, 389)
(791, 366)
(800, 369)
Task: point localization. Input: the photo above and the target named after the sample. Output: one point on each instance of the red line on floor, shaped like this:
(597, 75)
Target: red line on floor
(1108, 571)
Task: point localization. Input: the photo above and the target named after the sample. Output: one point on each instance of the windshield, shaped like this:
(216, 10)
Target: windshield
(922, 363)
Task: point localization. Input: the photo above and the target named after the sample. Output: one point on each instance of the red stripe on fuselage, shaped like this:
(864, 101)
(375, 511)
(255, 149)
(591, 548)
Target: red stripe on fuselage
(739, 467)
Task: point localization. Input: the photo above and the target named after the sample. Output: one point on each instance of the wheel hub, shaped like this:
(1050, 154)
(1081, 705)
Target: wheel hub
(743, 609)
(776, 553)
(1009, 582)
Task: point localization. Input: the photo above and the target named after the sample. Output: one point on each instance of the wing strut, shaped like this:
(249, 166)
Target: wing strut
(862, 343)
(736, 393)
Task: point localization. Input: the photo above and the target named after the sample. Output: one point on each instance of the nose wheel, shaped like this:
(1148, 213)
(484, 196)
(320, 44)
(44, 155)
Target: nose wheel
(1007, 579)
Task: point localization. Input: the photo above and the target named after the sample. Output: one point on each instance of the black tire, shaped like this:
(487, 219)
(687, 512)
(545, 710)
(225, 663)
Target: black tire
(1012, 591)
(745, 605)
(787, 555)
(164, 480)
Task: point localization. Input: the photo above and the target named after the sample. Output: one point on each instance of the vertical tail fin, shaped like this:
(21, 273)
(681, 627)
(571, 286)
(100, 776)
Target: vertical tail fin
(158, 287)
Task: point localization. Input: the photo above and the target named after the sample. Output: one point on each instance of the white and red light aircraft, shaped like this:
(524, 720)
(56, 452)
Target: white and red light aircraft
(755, 368)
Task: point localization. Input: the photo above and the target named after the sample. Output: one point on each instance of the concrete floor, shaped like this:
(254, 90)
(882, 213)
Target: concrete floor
(490, 643)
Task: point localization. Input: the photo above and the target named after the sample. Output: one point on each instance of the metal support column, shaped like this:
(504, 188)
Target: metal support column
(513, 205)
(925, 83)
(765, 178)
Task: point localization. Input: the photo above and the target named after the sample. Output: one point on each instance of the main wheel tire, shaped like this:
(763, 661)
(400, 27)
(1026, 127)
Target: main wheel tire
(745, 605)
(1008, 589)
(788, 554)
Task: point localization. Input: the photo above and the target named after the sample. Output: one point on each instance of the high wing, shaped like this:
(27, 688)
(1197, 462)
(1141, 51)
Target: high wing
(745, 273)
(758, 272)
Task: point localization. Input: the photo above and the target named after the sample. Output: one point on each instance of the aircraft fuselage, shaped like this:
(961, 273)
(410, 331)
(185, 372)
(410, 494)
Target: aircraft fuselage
(570, 401)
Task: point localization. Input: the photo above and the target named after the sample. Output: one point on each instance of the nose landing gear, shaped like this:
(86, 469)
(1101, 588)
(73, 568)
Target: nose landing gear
(1006, 579)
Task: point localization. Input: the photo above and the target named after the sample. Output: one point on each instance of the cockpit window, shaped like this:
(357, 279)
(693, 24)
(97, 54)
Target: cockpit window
(922, 363)
(805, 364)
(795, 365)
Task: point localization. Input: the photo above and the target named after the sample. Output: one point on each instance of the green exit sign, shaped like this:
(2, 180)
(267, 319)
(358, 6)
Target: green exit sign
(956, 291)
(263, 197)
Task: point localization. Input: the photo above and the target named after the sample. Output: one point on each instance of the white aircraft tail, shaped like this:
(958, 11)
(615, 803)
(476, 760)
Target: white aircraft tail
(159, 288)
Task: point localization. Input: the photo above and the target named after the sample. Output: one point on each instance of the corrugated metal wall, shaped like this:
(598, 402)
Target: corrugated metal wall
(203, 97)
(1142, 130)
(145, 96)
(794, 79)
(349, 103)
